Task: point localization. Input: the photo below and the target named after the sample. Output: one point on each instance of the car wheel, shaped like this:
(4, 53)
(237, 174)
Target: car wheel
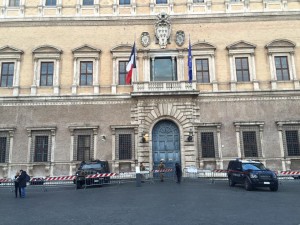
(230, 182)
(274, 188)
(248, 185)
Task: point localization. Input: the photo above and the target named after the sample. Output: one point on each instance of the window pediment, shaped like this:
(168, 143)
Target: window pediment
(282, 43)
(47, 49)
(6, 50)
(203, 46)
(241, 45)
(122, 48)
(86, 49)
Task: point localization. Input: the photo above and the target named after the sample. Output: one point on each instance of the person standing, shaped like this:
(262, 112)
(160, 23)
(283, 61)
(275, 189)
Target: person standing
(178, 172)
(161, 168)
(22, 182)
(17, 186)
(142, 168)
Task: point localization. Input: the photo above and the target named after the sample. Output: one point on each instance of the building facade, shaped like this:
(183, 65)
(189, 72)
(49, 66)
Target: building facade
(64, 99)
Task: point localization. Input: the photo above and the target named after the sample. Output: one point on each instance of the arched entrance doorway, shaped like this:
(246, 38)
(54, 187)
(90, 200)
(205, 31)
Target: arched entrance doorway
(166, 144)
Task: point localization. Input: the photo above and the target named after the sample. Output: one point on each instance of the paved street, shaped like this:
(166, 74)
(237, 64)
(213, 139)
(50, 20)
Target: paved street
(190, 203)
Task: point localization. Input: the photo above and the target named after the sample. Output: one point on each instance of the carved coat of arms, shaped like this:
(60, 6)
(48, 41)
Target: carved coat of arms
(163, 30)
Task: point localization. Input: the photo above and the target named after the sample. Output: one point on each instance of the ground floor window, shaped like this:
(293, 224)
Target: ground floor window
(84, 148)
(3, 148)
(250, 144)
(208, 139)
(124, 144)
(41, 148)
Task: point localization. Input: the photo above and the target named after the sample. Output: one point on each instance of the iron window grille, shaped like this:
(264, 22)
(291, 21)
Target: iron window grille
(46, 78)
(3, 149)
(292, 142)
(84, 148)
(125, 146)
(207, 144)
(282, 68)
(202, 71)
(7, 74)
(242, 69)
(41, 149)
(250, 144)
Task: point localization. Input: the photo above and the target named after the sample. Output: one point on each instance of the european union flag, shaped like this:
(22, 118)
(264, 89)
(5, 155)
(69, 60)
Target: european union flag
(190, 62)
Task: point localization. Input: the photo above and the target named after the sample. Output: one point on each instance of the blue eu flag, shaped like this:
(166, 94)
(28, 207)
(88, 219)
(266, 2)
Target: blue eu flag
(190, 63)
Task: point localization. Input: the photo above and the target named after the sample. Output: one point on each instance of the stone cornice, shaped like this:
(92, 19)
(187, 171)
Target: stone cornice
(149, 19)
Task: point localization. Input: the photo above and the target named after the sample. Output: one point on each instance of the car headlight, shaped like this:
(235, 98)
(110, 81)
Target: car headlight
(274, 175)
(253, 175)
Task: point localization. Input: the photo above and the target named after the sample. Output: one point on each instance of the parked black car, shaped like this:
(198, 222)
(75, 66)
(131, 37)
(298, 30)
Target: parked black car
(90, 168)
(251, 174)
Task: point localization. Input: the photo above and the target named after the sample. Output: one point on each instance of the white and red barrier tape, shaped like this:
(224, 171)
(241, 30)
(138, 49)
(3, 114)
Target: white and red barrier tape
(101, 175)
(3, 180)
(162, 171)
(220, 171)
(289, 172)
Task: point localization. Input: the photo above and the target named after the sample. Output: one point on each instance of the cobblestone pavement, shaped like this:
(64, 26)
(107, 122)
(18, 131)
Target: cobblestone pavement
(161, 203)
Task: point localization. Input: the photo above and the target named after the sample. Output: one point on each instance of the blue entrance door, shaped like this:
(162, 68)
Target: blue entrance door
(166, 144)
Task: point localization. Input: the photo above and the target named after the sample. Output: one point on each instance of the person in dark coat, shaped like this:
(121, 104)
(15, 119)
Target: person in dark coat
(22, 183)
(17, 187)
(178, 172)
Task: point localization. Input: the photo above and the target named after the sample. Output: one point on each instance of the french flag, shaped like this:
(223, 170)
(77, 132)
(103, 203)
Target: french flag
(131, 64)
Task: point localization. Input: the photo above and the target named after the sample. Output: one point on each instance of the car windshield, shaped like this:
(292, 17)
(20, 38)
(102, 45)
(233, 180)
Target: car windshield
(253, 166)
(91, 166)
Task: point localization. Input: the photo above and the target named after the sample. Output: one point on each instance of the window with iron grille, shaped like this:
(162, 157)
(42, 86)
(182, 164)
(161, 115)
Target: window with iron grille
(86, 73)
(87, 2)
(41, 148)
(46, 78)
(242, 69)
(124, 2)
(207, 144)
(122, 72)
(292, 142)
(7, 74)
(50, 3)
(202, 71)
(282, 68)
(14, 3)
(3, 146)
(125, 146)
(250, 144)
(84, 148)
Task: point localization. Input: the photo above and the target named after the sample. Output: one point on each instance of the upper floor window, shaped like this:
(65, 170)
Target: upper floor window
(46, 78)
(198, 1)
(282, 68)
(7, 74)
(86, 73)
(202, 70)
(163, 69)
(124, 2)
(161, 1)
(13, 3)
(122, 72)
(242, 69)
(87, 2)
(50, 3)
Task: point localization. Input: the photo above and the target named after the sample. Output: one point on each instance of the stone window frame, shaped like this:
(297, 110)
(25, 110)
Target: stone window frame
(80, 6)
(86, 53)
(258, 127)
(206, 4)
(282, 47)
(244, 3)
(205, 50)
(215, 128)
(153, 5)
(41, 131)
(75, 131)
(12, 54)
(121, 53)
(124, 129)
(42, 7)
(46, 53)
(242, 49)
(8, 132)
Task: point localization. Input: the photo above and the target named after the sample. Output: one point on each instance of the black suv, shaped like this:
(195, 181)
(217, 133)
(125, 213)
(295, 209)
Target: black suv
(251, 174)
(90, 168)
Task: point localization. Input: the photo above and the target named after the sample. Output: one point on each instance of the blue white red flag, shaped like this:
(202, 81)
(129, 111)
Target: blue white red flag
(190, 62)
(131, 65)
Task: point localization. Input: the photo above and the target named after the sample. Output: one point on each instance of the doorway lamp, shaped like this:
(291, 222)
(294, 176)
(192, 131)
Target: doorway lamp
(145, 137)
(190, 136)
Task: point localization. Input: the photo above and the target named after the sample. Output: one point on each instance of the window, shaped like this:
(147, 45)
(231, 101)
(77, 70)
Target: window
(198, 1)
(242, 69)
(164, 69)
(250, 145)
(50, 3)
(3, 148)
(125, 146)
(161, 1)
(87, 2)
(282, 68)
(86, 73)
(84, 148)
(202, 71)
(13, 3)
(46, 78)
(124, 2)
(122, 72)
(292, 142)
(207, 144)
(7, 74)
(41, 149)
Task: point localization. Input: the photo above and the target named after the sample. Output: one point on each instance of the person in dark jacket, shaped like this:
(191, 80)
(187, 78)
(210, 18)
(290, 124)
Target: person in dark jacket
(17, 187)
(178, 172)
(22, 182)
